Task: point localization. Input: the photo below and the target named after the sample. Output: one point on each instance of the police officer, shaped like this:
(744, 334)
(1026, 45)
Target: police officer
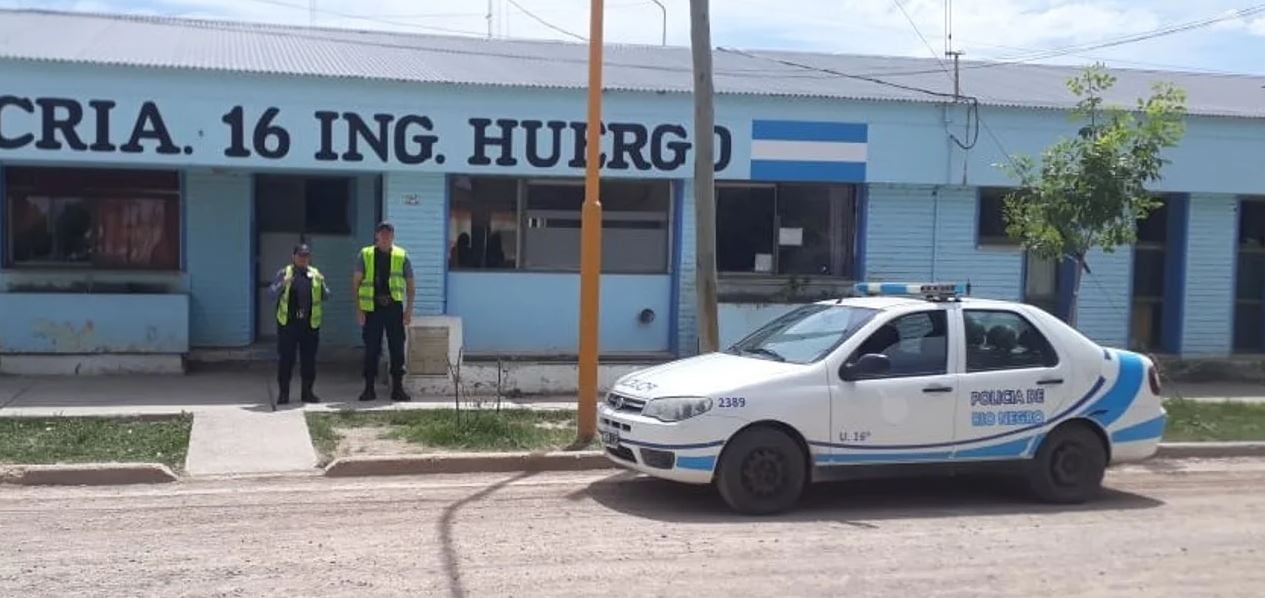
(384, 286)
(299, 290)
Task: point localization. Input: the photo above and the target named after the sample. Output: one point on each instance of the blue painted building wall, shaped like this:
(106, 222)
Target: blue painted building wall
(920, 190)
(1209, 290)
(921, 232)
(219, 263)
(417, 204)
(538, 312)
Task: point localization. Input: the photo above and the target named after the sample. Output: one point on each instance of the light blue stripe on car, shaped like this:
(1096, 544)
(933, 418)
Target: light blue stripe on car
(1147, 430)
(1112, 405)
(882, 457)
(698, 463)
(1013, 448)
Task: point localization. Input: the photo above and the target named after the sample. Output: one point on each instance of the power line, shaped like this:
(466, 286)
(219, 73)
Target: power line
(547, 23)
(922, 37)
(1109, 43)
(974, 102)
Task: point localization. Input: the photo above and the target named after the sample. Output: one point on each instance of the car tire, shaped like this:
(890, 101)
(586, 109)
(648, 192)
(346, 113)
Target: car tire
(762, 471)
(1069, 466)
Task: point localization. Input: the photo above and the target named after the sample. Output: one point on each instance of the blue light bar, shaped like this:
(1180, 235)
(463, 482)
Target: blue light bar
(920, 289)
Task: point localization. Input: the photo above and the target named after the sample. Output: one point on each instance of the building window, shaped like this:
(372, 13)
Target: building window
(991, 219)
(1149, 259)
(93, 218)
(798, 229)
(483, 223)
(487, 214)
(1249, 295)
(306, 205)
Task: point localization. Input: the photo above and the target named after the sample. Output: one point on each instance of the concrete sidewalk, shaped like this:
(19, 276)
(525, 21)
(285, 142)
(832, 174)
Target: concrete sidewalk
(235, 431)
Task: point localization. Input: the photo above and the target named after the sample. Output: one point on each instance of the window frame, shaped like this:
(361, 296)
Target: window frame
(966, 363)
(175, 199)
(1241, 249)
(992, 241)
(521, 185)
(853, 356)
(844, 253)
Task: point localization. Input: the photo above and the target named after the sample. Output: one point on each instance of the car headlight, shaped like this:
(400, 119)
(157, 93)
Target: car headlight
(675, 409)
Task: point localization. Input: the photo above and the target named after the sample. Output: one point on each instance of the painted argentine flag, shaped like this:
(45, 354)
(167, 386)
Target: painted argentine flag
(798, 150)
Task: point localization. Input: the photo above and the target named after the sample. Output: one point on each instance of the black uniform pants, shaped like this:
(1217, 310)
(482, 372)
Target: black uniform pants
(297, 337)
(388, 319)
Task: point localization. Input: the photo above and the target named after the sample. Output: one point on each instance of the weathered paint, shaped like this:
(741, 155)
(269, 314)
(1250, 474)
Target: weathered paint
(73, 323)
(516, 312)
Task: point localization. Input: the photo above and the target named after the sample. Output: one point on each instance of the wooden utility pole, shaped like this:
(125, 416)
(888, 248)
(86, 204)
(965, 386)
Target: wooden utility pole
(704, 176)
(591, 238)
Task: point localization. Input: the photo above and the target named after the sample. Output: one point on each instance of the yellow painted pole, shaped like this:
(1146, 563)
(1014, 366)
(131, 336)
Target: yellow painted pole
(591, 237)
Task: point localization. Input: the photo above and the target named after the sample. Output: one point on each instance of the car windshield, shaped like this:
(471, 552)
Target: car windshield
(804, 335)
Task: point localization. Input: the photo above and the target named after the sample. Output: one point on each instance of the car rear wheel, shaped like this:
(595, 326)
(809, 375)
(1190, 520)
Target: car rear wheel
(762, 471)
(1069, 466)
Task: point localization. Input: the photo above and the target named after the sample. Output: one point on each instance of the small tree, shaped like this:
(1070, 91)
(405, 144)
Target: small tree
(1090, 190)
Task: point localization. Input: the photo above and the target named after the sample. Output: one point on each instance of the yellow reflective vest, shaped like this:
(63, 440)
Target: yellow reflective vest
(318, 294)
(396, 280)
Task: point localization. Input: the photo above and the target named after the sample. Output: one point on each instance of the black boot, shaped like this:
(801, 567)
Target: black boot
(368, 394)
(283, 394)
(308, 396)
(397, 389)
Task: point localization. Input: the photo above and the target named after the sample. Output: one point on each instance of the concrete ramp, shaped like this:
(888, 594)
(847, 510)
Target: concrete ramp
(249, 441)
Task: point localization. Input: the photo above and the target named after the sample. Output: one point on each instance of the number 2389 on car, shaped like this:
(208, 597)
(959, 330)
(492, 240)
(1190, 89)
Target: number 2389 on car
(902, 376)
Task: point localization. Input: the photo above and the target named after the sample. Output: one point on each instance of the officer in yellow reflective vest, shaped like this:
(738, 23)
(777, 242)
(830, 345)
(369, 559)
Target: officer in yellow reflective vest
(384, 286)
(299, 290)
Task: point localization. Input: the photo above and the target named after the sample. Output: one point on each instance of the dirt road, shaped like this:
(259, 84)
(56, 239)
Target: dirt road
(1166, 529)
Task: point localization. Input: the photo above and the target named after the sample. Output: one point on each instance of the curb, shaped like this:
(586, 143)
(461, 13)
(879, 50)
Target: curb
(467, 463)
(1209, 450)
(87, 474)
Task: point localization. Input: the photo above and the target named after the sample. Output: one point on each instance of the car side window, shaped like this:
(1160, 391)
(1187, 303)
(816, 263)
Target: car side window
(1004, 340)
(916, 344)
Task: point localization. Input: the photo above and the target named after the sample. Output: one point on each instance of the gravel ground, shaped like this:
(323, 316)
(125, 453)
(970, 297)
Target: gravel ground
(1167, 528)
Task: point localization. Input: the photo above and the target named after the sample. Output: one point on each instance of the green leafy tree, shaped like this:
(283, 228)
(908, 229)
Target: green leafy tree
(1090, 190)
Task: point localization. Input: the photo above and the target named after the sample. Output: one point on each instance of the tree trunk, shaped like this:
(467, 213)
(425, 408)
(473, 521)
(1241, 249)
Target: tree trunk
(1077, 276)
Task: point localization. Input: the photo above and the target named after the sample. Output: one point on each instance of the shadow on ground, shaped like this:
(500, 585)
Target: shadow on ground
(846, 502)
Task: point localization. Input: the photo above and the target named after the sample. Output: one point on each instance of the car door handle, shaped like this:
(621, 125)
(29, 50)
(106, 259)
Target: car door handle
(1049, 381)
(938, 389)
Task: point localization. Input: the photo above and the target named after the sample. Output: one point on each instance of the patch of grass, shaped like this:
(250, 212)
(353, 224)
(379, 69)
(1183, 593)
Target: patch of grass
(95, 439)
(324, 437)
(440, 429)
(1193, 421)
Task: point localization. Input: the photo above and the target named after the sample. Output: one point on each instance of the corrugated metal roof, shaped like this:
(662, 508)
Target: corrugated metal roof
(162, 42)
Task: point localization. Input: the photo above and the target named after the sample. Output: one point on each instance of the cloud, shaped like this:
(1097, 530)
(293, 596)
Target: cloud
(986, 29)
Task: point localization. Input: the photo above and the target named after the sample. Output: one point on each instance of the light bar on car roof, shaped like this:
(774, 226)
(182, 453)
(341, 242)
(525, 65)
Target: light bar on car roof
(939, 290)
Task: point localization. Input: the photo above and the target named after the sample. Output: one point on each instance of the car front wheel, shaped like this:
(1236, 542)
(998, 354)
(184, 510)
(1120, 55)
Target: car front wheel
(762, 471)
(1069, 466)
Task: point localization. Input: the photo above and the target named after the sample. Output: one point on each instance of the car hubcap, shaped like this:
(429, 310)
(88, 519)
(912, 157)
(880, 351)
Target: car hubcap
(764, 472)
(1069, 464)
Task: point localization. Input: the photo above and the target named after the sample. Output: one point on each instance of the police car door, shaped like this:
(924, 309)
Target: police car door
(907, 413)
(1013, 380)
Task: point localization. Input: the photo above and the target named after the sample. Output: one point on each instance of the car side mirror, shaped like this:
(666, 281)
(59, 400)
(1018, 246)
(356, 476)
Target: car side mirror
(868, 366)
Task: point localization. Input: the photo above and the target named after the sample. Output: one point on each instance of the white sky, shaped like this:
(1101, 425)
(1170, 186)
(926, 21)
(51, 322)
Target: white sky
(984, 29)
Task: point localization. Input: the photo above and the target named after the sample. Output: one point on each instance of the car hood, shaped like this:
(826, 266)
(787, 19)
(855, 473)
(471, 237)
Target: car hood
(705, 375)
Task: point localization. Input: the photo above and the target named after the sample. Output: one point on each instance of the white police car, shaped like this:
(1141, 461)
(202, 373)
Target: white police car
(905, 377)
